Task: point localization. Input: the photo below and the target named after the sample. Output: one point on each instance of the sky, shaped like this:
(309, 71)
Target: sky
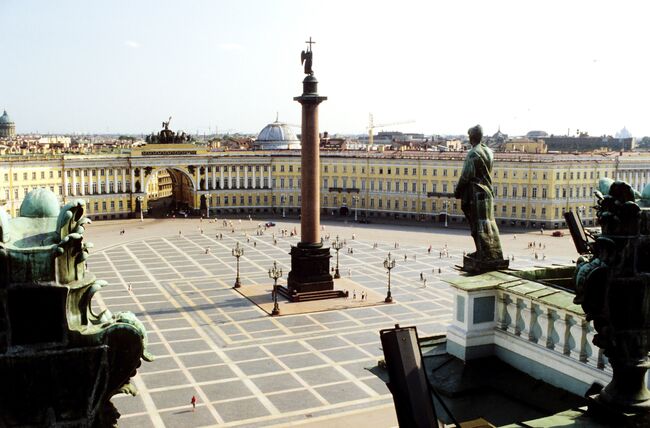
(124, 66)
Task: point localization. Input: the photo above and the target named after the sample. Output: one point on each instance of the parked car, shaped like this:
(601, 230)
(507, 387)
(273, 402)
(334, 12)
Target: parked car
(269, 224)
(364, 221)
(558, 233)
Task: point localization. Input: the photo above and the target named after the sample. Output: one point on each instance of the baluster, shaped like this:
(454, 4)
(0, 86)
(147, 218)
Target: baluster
(502, 310)
(569, 344)
(520, 322)
(512, 315)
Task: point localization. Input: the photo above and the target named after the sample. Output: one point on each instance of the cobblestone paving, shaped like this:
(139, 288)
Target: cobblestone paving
(248, 369)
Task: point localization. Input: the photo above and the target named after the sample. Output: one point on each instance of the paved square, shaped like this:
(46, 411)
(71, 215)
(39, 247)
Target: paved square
(245, 367)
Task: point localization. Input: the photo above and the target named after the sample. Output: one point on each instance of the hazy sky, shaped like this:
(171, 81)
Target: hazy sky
(124, 66)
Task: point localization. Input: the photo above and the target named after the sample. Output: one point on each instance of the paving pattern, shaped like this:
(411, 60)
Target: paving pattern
(248, 369)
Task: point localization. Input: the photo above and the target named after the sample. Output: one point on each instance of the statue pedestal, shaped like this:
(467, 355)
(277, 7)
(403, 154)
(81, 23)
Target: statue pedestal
(476, 266)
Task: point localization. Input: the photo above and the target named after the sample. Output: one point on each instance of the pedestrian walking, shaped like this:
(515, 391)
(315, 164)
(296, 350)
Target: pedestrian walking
(349, 272)
(354, 294)
(425, 282)
(421, 276)
(130, 288)
(193, 402)
(405, 257)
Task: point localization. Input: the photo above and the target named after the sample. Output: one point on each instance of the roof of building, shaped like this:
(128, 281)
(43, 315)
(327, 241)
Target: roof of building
(5, 119)
(277, 131)
(277, 135)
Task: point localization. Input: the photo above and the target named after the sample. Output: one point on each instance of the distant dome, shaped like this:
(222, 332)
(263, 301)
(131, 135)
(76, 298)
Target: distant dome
(536, 134)
(40, 203)
(5, 119)
(277, 135)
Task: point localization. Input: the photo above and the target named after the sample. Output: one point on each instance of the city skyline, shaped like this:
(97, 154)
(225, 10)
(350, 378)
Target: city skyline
(231, 66)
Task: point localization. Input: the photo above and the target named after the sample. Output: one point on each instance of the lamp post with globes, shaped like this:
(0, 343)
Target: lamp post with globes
(237, 252)
(355, 201)
(208, 199)
(445, 203)
(275, 273)
(389, 264)
(337, 245)
(282, 199)
(141, 201)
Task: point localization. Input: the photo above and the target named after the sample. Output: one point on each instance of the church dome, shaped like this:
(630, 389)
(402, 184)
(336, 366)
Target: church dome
(5, 119)
(277, 135)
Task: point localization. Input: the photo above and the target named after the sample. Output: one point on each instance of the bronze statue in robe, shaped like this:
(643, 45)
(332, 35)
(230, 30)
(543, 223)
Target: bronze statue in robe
(474, 189)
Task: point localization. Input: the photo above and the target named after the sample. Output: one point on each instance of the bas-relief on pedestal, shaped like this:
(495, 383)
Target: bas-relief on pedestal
(60, 362)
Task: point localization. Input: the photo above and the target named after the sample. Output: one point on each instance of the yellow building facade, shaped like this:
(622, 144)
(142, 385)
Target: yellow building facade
(531, 190)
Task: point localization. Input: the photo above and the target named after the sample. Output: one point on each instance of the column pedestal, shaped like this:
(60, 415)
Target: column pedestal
(310, 276)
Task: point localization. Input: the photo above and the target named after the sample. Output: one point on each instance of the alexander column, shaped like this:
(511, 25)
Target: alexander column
(310, 260)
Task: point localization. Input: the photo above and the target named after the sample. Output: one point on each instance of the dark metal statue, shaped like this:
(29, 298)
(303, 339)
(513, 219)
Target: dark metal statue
(612, 283)
(61, 360)
(167, 136)
(306, 58)
(474, 189)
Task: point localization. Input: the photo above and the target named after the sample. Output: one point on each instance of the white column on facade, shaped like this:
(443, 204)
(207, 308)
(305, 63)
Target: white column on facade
(132, 180)
(99, 182)
(115, 189)
(229, 177)
(270, 177)
(206, 178)
(107, 187)
(197, 177)
(123, 180)
(65, 183)
(246, 177)
(253, 171)
(83, 182)
(221, 180)
(90, 181)
(237, 183)
(74, 182)
(214, 178)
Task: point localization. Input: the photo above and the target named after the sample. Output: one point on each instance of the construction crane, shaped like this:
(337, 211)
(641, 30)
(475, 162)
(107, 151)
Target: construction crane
(372, 126)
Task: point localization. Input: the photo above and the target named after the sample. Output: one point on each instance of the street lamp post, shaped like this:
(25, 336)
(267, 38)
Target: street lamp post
(337, 245)
(141, 200)
(275, 273)
(389, 263)
(237, 252)
(282, 203)
(208, 198)
(355, 200)
(446, 212)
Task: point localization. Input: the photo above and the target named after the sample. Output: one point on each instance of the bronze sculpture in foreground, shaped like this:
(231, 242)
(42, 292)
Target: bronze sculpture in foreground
(474, 189)
(60, 361)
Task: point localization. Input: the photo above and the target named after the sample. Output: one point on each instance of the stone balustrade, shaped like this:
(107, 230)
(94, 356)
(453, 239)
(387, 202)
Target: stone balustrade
(535, 327)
